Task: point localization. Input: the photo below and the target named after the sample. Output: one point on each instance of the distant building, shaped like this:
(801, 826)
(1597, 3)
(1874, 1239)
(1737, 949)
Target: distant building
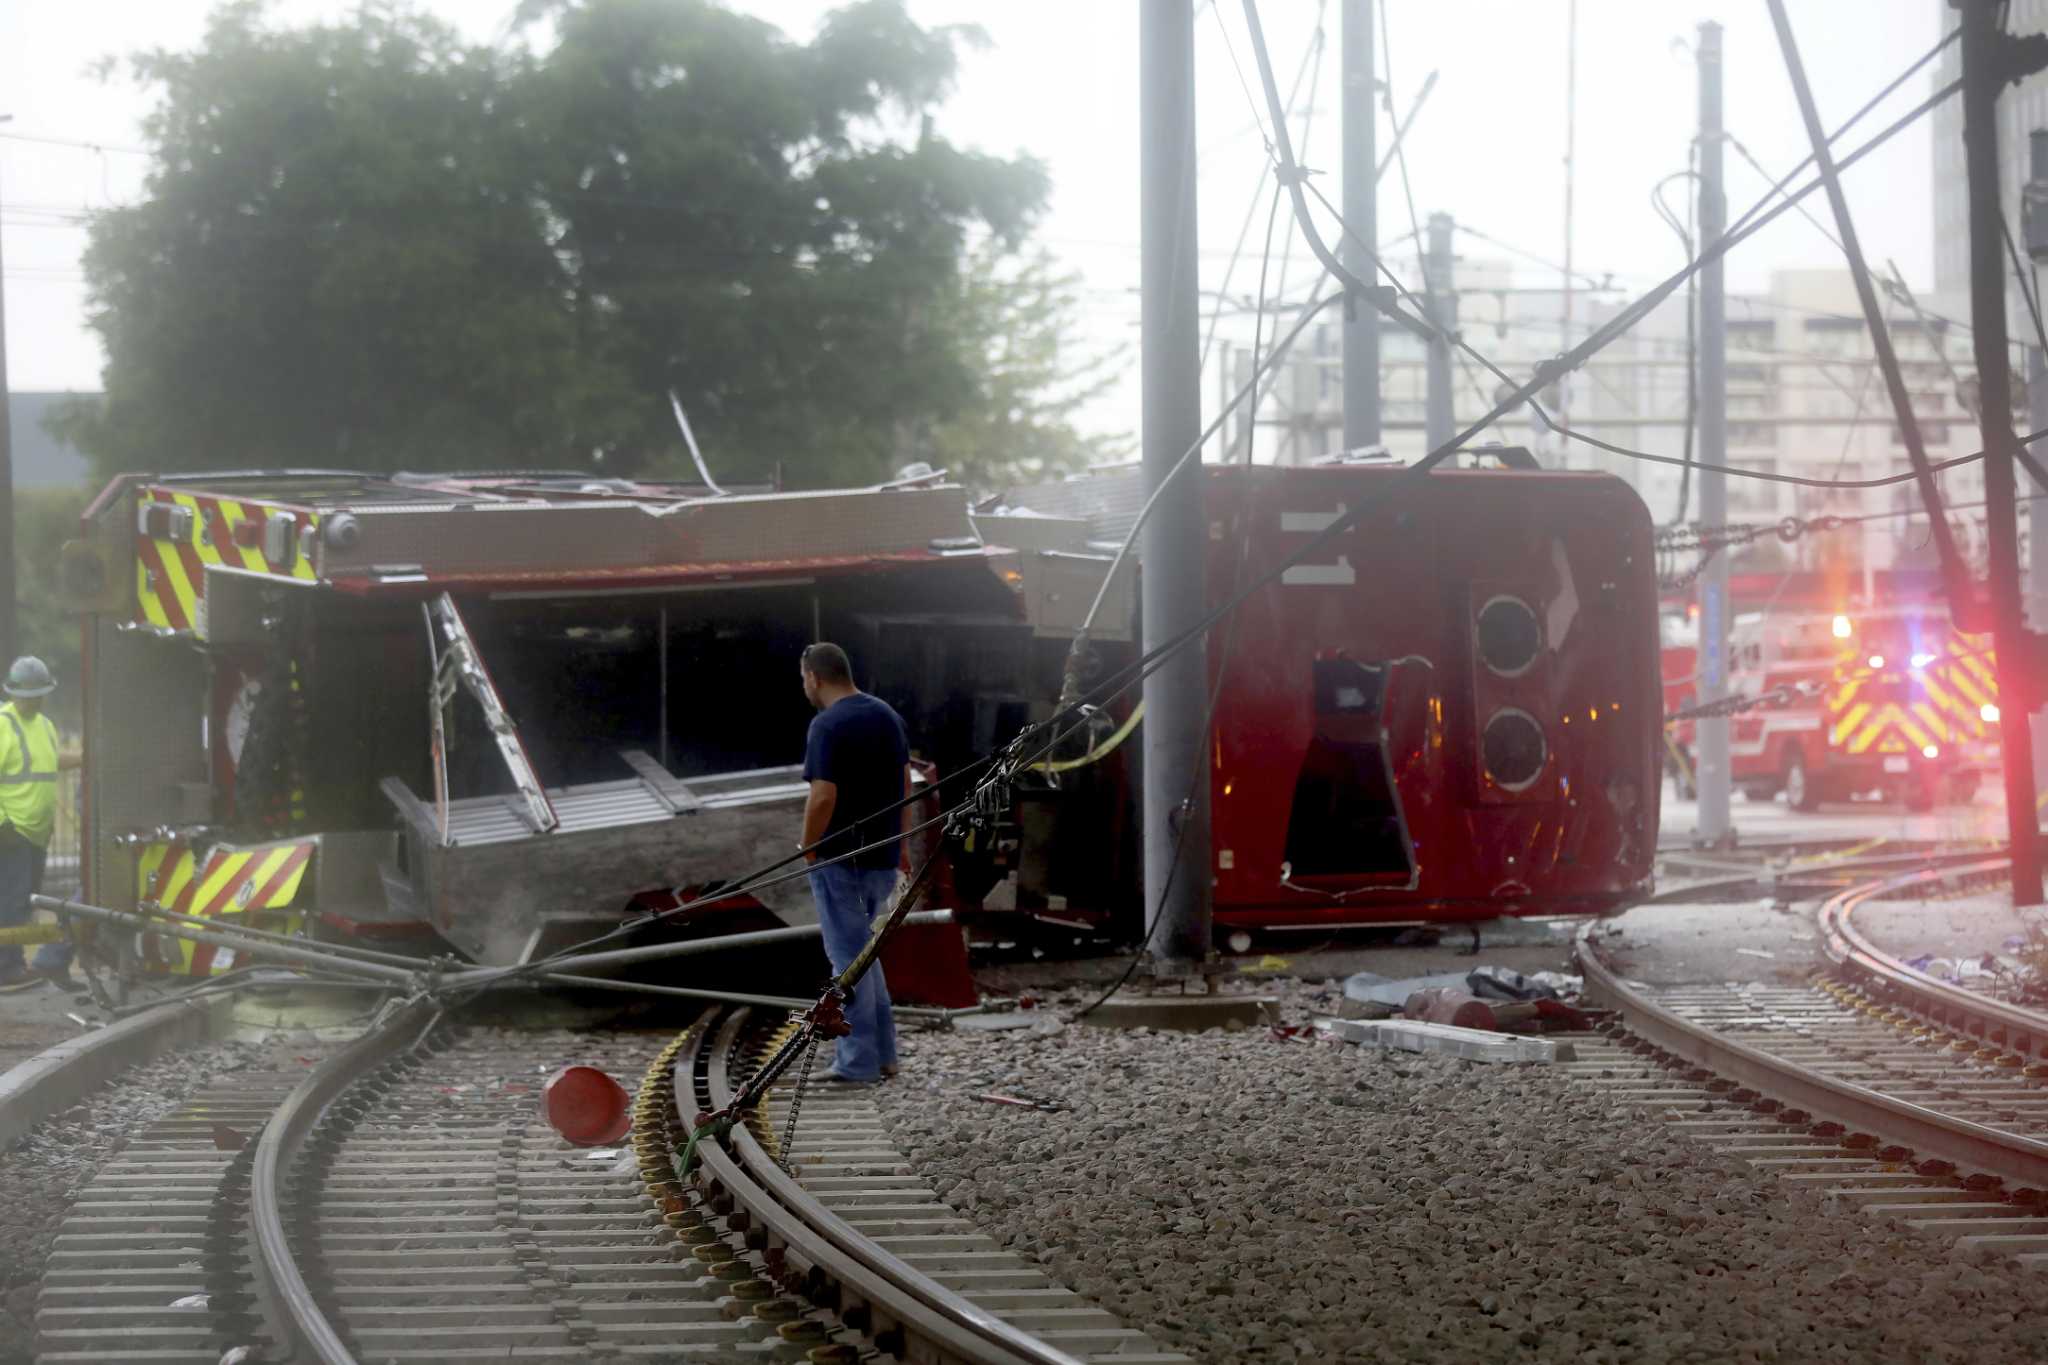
(1804, 398)
(40, 459)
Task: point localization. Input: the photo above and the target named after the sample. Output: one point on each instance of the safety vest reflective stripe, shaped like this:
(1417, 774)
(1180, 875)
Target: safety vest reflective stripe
(27, 773)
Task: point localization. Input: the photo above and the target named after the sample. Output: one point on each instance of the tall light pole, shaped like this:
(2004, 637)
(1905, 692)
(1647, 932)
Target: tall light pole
(1713, 775)
(1173, 586)
(1361, 210)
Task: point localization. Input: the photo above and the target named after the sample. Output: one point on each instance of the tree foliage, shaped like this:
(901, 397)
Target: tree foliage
(44, 518)
(371, 245)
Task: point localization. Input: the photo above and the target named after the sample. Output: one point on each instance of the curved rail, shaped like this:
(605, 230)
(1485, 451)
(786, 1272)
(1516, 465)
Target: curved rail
(2013, 1027)
(917, 1318)
(295, 1314)
(1971, 1146)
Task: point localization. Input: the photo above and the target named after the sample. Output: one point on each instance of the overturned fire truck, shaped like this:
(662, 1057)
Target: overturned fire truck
(489, 712)
(494, 713)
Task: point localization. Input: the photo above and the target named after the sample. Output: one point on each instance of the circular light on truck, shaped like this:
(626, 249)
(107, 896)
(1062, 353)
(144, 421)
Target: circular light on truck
(1512, 749)
(1510, 637)
(1988, 713)
(1930, 751)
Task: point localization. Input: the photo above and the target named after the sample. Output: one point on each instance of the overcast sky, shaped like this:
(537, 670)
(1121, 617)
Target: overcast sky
(1058, 80)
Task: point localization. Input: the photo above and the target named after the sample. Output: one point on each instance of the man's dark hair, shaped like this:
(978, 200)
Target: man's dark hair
(828, 664)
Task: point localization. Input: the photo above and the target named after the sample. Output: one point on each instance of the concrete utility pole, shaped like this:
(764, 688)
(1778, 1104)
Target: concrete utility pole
(1176, 540)
(1443, 313)
(1715, 828)
(2034, 227)
(1991, 60)
(2037, 526)
(1361, 215)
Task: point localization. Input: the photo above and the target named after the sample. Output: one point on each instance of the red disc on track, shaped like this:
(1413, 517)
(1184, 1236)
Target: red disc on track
(586, 1106)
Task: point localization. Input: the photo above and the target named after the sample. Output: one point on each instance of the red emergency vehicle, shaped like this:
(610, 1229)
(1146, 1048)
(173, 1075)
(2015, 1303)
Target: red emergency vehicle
(1890, 700)
(1450, 713)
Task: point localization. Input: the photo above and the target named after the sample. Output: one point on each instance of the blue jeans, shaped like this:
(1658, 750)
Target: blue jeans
(849, 901)
(21, 876)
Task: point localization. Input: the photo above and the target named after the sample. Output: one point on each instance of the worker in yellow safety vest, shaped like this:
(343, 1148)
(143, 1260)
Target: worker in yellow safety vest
(29, 763)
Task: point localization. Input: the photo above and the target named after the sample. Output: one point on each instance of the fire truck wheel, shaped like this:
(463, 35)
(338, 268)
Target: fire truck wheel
(1920, 796)
(1799, 789)
(1962, 789)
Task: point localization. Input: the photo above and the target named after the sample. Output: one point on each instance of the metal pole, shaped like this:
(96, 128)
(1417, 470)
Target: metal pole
(2034, 203)
(2037, 511)
(228, 938)
(1173, 587)
(1955, 576)
(584, 963)
(1715, 828)
(1986, 69)
(1443, 312)
(1571, 137)
(1361, 209)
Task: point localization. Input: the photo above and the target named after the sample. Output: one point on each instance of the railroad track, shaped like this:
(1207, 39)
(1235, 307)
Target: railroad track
(1900, 1093)
(399, 1198)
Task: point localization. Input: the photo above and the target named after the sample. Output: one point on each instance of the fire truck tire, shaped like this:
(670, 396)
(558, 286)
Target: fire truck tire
(1801, 792)
(1920, 796)
(1962, 790)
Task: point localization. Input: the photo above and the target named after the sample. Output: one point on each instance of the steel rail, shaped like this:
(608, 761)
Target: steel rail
(2015, 1027)
(936, 1324)
(1930, 1133)
(303, 1327)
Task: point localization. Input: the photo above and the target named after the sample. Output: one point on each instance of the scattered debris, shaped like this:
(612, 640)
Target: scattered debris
(1022, 1102)
(1462, 1009)
(1475, 1045)
(191, 1301)
(1758, 952)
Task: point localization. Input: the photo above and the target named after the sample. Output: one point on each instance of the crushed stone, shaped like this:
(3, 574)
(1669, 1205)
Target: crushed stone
(1242, 1198)
(41, 1174)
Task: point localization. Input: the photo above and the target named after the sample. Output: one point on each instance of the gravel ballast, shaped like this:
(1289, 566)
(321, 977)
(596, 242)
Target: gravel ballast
(1243, 1198)
(41, 1174)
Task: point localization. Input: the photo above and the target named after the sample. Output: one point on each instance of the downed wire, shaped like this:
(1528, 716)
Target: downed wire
(1006, 760)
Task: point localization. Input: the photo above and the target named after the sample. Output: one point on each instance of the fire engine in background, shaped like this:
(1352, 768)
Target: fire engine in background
(1889, 700)
(492, 713)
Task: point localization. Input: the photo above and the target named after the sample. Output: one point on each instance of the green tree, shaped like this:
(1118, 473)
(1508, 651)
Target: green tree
(44, 518)
(332, 264)
(370, 245)
(1010, 314)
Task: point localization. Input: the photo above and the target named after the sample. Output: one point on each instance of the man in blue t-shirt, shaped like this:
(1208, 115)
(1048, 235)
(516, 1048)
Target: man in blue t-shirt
(857, 761)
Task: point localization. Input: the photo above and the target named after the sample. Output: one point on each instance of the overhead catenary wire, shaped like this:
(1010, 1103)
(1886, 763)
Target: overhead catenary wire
(1314, 544)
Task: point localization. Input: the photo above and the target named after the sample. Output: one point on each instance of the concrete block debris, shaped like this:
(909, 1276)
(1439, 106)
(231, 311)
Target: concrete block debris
(1477, 1045)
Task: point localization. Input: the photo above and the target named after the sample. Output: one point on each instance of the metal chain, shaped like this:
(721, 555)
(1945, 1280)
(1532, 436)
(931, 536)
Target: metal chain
(1707, 541)
(1731, 706)
(796, 1104)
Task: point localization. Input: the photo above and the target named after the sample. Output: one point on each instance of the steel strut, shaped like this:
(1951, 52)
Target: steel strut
(825, 1019)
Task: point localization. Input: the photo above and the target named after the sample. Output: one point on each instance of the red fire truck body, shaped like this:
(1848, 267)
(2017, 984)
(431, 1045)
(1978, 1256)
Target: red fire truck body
(1889, 700)
(1451, 712)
